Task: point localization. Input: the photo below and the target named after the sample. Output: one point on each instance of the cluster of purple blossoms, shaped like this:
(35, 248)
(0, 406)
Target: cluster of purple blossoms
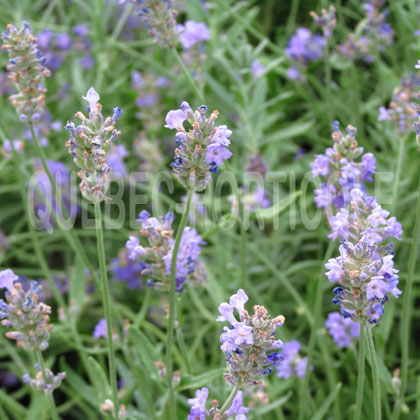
(199, 151)
(48, 385)
(365, 268)
(192, 36)
(375, 35)
(256, 164)
(326, 21)
(158, 16)
(26, 70)
(247, 342)
(292, 365)
(343, 167)
(55, 46)
(43, 200)
(23, 312)
(257, 69)
(148, 89)
(90, 144)
(200, 412)
(302, 48)
(365, 219)
(116, 161)
(192, 33)
(127, 270)
(402, 108)
(343, 330)
(157, 257)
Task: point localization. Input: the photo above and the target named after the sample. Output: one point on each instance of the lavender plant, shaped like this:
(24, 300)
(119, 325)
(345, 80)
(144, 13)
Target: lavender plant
(90, 144)
(29, 318)
(365, 268)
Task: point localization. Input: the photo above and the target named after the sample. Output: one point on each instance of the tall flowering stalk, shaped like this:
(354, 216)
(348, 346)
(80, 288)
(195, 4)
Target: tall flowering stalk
(29, 318)
(199, 152)
(364, 270)
(401, 111)
(27, 71)
(251, 350)
(90, 144)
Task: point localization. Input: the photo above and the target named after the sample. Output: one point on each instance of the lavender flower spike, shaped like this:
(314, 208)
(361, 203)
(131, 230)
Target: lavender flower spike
(51, 381)
(200, 412)
(27, 71)
(156, 259)
(343, 330)
(291, 365)
(247, 342)
(28, 317)
(90, 144)
(201, 150)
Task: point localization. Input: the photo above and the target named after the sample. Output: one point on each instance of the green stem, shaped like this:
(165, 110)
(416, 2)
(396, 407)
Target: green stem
(51, 402)
(407, 299)
(244, 279)
(187, 73)
(375, 376)
(172, 306)
(107, 306)
(361, 373)
(72, 239)
(328, 80)
(396, 184)
(228, 402)
(314, 330)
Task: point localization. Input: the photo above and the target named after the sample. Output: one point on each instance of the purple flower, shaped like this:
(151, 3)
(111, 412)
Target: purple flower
(343, 330)
(257, 69)
(237, 407)
(100, 329)
(217, 153)
(87, 62)
(7, 278)
(198, 405)
(134, 248)
(116, 160)
(292, 364)
(201, 149)
(293, 73)
(192, 33)
(383, 114)
(175, 119)
(246, 342)
(304, 47)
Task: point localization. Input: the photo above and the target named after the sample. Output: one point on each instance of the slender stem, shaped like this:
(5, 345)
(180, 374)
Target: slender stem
(407, 299)
(107, 306)
(172, 306)
(187, 73)
(314, 330)
(396, 184)
(375, 376)
(328, 79)
(228, 402)
(244, 279)
(72, 239)
(51, 402)
(361, 373)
